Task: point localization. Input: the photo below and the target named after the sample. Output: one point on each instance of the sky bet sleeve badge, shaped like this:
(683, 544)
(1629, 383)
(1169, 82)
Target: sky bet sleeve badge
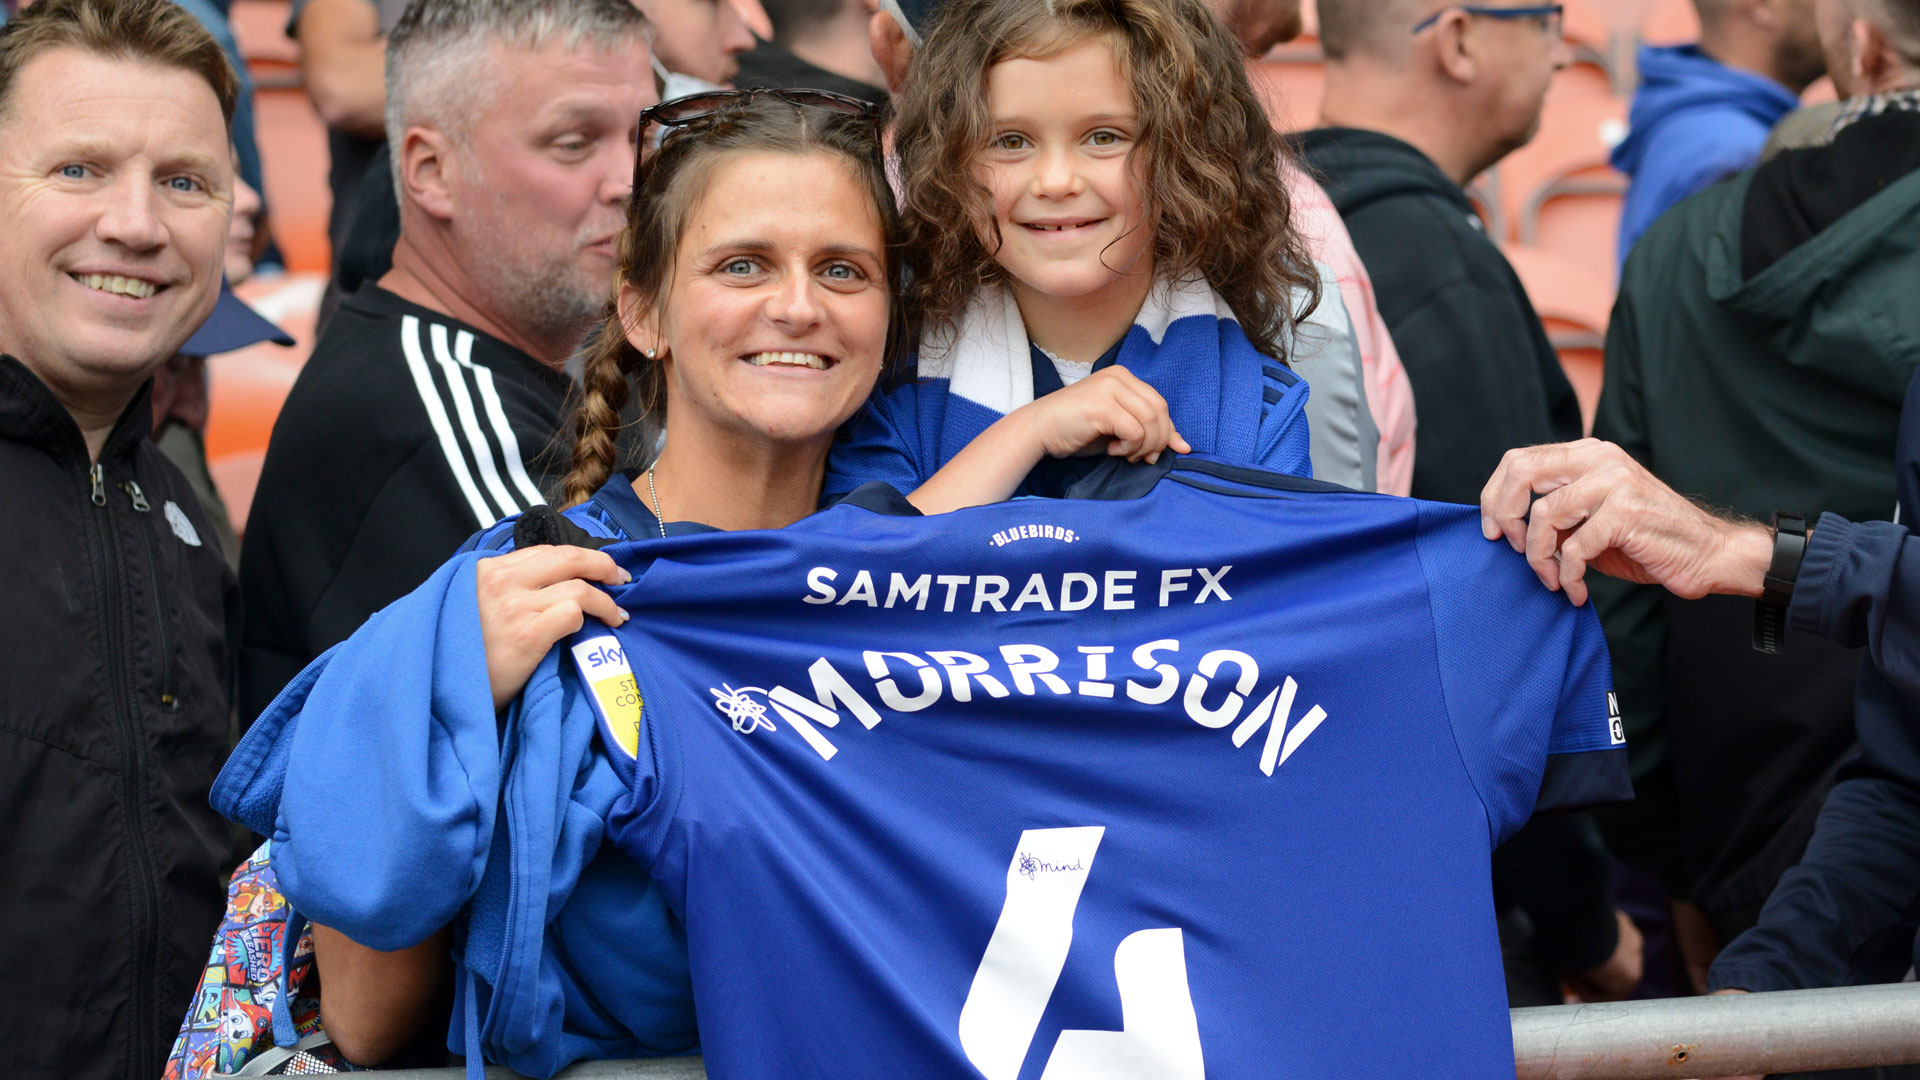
(616, 696)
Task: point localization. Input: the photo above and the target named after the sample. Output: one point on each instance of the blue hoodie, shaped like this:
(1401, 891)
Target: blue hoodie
(398, 802)
(1694, 121)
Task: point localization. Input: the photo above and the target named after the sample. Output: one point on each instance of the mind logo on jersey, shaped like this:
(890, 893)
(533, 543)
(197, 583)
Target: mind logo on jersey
(1034, 670)
(603, 664)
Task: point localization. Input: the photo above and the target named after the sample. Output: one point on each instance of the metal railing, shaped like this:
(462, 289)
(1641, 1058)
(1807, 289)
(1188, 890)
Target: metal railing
(1792, 1031)
(1739, 1034)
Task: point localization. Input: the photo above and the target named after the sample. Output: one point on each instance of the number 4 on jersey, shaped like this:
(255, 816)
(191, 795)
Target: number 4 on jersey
(1160, 1035)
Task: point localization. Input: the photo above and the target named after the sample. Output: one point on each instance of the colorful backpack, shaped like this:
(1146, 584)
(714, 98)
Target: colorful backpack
(248, 1017)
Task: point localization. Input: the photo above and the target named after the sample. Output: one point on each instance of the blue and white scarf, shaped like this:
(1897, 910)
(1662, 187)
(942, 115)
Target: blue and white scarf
(1227, 398)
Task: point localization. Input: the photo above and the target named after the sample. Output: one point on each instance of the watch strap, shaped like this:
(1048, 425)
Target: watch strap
(1770, 610)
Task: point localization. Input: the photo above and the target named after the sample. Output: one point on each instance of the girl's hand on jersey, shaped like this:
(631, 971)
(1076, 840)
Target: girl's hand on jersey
(1110, 411)
(533, 597)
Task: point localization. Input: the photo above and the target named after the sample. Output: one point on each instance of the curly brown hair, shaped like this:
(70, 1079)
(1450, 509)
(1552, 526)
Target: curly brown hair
(1213, 193)
(668, 188)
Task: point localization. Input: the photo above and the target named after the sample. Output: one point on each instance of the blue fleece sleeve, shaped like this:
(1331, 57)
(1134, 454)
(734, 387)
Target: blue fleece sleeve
(1285, 438)
(881, 442)
(1857, 586)
(1527, 681)
(540, 878)
(394, 774)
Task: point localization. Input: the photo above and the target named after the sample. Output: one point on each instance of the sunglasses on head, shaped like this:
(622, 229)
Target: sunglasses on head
(692, 112)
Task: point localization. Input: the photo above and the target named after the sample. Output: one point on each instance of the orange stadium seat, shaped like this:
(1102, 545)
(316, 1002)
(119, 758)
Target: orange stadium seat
(1590, 36)
(1291, 81)
(1574, 301)
(293, 154)
(1578, 216)
(260, 26)
(1558, 192)
(1670, 22)
(248, 387)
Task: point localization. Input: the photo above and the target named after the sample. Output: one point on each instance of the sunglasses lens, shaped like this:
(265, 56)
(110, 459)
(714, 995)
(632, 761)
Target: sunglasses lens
(682, 109)
(691, 111)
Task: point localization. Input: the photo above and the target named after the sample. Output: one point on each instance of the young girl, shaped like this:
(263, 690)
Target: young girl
(1089, 184)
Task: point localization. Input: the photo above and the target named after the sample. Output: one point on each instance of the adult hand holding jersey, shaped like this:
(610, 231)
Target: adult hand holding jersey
(530, 599)
(1601, 508)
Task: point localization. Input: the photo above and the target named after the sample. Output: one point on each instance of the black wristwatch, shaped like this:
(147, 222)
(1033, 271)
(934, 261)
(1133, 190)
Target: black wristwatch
(1770, 611)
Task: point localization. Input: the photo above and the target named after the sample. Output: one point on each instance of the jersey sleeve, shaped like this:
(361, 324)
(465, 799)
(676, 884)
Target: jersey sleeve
(881, 443)
(1526, 677)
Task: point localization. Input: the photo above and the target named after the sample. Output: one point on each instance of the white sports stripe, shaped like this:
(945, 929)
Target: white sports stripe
(490, 400)
(437, 416)
(470, 423)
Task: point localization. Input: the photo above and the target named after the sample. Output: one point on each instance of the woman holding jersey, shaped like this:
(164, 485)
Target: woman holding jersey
(752, 317)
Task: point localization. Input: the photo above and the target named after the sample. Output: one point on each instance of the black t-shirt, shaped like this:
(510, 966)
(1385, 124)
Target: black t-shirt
(406, 432)
(770, 66)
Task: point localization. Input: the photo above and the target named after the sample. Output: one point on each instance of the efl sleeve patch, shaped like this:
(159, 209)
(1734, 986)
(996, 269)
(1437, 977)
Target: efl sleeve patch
(616, 695)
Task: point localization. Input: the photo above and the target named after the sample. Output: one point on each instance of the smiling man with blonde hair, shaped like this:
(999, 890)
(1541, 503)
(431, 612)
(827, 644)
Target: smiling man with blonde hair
(116, 184)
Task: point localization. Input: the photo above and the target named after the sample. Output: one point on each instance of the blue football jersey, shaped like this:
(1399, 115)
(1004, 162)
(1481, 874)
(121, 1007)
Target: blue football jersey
(1196, 779)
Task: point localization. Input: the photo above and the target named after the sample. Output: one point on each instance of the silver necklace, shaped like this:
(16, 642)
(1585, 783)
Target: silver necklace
(655, 496)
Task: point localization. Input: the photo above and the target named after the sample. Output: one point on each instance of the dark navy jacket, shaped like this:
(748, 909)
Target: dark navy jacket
(1847, 913)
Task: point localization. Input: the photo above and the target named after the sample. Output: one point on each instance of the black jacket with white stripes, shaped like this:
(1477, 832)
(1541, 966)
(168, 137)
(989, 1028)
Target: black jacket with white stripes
(406, 432)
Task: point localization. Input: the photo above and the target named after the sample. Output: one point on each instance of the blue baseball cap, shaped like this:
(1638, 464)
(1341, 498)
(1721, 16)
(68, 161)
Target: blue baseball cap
(233, 325)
